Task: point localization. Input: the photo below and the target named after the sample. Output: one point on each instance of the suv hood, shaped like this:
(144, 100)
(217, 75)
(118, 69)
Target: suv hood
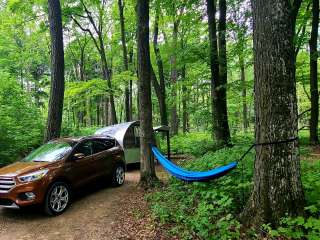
(18, 168)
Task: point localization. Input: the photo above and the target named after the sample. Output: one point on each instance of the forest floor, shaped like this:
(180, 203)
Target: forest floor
(101, 213)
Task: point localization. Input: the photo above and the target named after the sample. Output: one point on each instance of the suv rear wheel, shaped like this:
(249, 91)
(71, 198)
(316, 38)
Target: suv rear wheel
(57, 199)
(118, 175)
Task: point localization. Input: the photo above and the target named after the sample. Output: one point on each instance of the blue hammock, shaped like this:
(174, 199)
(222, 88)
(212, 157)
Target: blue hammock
(191, 176)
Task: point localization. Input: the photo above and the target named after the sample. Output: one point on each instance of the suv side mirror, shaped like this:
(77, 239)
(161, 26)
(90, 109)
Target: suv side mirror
(78, 156)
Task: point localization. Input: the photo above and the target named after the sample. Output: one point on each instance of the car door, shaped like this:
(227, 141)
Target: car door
(81, 170)
(102, 153)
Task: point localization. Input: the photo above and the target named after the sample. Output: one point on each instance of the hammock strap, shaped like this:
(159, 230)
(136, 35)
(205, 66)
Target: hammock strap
(249, 149)
(264, 144)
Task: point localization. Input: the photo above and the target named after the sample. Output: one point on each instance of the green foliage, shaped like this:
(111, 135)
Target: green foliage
(78, 132)
(196, 143)
(78, 92)
(297, 228)
(21, 123)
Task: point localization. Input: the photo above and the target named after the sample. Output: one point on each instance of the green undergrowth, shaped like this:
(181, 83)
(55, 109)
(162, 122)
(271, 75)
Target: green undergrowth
(209, 210)
(191, 143)
(199, 143)
(307, 227)
(206, 210)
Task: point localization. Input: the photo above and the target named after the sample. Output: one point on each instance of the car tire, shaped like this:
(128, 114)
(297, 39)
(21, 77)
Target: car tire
(57, 199)
(118, 175)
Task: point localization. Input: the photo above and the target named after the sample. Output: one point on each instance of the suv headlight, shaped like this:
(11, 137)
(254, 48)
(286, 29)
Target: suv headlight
(33, 176)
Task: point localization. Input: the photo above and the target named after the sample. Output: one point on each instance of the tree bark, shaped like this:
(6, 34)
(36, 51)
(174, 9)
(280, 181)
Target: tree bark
(157, 89)
(277, 187)
(174, 77)
(314, 92)
(131, 84)
(82, 66)
(162, 88)
(106, 72)
(57, 72)
(106, 110)
(147, 169)
(221, 131)
(243, 93)
(184, 101)
(125, 60)
(98, 110)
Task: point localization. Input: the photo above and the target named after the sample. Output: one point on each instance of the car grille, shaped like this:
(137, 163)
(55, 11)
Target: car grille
(5, 202)
(6, 184)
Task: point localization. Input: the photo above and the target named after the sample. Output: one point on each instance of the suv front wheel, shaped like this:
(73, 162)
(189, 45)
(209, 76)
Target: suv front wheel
(57, 198)
(118, 175)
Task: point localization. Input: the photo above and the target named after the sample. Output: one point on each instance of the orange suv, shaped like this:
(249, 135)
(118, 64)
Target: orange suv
(52, 172)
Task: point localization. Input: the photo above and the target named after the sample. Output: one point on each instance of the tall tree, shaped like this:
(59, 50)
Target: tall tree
(174, 77)
(125, 60)
(314, 139)
(239, 24)
(57, 72)
(148, 175)
(184, 101)
(96, 29)
(161, 90)
(218, 66)
(277, 182)
(244, 90)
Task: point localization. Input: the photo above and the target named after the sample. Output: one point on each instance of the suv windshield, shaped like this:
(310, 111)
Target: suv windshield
(50, 152)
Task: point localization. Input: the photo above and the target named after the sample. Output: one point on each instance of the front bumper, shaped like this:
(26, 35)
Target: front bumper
(15, 199)
(9, 204)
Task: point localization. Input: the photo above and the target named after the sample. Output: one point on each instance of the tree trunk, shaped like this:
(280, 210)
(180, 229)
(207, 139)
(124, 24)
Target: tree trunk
(57, 72)
(161, 100)
(131, 84)
(277, 187)
(162, 94)
(98, 110)
(184, 101)
(107, 76)
(125, 60)
(82, 60)
(88, 111)
(314, 92)
(147, 170)
(174, 78)
(221, 130)
(106, 110)
(244, 93)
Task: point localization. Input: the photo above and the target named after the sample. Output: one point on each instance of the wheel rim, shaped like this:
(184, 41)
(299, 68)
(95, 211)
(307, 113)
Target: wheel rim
(59, 198)
(120, 175)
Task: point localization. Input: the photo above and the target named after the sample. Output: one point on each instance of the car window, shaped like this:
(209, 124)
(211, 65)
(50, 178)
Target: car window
(98, 147)
(132, 137)
(110, 143)
(49, 152)
(137, 136)
(85, 148)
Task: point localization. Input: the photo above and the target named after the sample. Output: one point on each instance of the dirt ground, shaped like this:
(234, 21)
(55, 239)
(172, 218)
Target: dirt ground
(100, 213)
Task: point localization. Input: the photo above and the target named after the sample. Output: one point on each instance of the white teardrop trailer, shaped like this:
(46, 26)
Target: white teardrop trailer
(128, 136)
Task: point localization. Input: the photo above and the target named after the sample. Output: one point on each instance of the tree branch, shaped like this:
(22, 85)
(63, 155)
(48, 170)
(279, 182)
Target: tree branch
(86, 30)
